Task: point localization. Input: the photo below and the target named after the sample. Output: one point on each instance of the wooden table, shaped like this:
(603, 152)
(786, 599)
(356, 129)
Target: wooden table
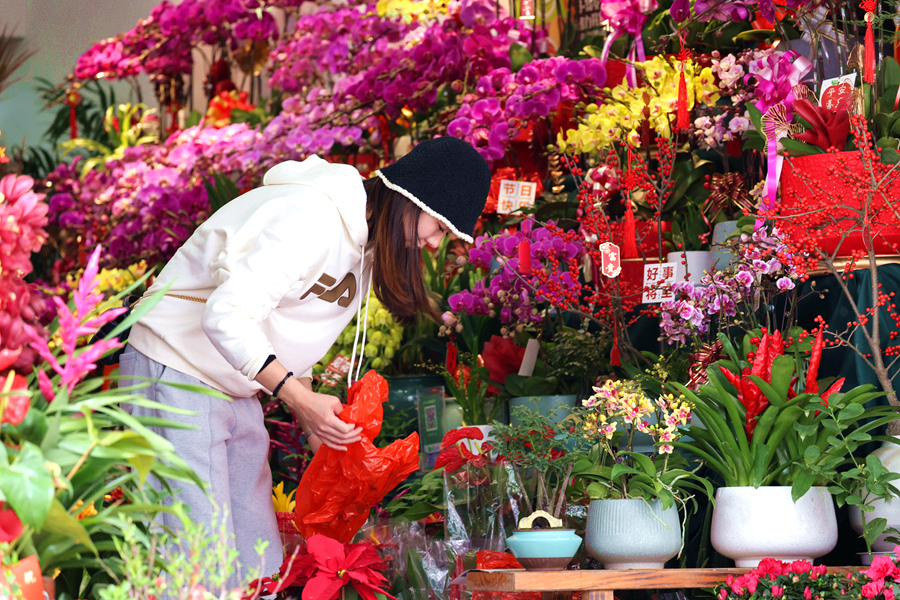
(600, 584)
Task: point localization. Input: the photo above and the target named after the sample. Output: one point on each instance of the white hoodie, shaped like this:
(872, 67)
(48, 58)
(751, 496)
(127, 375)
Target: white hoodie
(281, 269)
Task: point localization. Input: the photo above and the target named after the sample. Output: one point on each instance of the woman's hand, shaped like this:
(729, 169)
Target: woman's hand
(317, 413)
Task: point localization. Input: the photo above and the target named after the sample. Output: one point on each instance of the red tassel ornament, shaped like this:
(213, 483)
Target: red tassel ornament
(869, 43)
(682, 120)
(73, 99)
(615, 358)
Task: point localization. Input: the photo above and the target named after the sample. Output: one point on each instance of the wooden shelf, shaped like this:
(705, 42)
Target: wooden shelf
(600, 584)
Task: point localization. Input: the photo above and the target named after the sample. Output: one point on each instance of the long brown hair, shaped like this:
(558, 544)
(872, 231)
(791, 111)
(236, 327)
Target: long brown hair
(396, 258)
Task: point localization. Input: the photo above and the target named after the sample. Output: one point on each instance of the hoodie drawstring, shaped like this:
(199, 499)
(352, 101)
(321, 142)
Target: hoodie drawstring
(350, 376)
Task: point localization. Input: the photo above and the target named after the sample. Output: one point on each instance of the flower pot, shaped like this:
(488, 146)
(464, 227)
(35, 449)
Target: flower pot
(722, 257)
(693, 263)
(889, 454)
(544, 549)
(632, 534)
(27, 573)
(750, 524)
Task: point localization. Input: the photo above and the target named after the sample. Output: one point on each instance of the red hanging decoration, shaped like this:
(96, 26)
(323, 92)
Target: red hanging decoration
(869, 59)
(73, 99)
(682, 120)
(615, 358)
(629, 235)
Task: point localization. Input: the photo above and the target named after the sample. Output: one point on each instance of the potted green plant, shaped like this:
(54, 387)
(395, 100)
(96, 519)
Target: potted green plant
(773, 436)
(542, 452)
(629, 489)
(74, 462)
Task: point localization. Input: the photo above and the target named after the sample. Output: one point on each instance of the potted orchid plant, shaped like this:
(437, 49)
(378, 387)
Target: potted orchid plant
(625, 481)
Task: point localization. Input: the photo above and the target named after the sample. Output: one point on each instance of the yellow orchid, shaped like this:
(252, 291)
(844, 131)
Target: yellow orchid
(282, 502)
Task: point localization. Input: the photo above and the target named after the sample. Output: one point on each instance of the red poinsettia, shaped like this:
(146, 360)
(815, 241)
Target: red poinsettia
(340, 564)
(10, 525)
(322, 567)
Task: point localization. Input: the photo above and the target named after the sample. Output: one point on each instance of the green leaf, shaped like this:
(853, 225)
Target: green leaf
(28, 486)
(798, 148)
(873, 529)
(519, 56)
(60, 522)
(803, 480)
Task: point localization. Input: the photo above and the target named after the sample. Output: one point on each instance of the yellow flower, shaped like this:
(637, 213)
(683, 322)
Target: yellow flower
(282, 502)
(88, 511)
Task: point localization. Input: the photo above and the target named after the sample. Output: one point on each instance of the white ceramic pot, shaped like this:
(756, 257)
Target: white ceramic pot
(889, 454)
(694, 263)
(632, 534)
(750, 524)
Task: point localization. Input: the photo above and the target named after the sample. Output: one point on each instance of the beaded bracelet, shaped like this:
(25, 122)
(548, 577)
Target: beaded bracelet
(283, 381)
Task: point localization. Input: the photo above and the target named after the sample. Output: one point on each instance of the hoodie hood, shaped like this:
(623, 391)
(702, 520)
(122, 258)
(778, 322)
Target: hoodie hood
(341, 183)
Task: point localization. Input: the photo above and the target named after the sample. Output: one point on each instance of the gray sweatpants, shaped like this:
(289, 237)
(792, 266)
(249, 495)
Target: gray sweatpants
(228, 449)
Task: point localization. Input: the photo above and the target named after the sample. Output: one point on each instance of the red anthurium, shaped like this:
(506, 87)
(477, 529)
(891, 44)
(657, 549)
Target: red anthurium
(461, 433)
(8, 357)
(339, 564)
(10, 525)
(455, 457)
(14, 407)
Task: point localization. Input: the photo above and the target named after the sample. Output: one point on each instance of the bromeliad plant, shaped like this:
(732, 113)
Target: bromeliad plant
(612, 419)
(763, 422)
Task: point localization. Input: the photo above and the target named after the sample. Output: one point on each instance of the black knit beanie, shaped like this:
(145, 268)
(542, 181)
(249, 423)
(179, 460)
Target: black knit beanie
(445, 177)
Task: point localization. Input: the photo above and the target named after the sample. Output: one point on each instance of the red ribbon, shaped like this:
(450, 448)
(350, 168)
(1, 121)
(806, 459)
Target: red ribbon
(73, 99)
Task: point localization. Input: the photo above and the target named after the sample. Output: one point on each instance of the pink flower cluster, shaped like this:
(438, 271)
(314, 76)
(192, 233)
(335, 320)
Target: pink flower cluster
(760, 270)
(144, 205)
(161, 44)
(353, 72)
(503, 102)
(513, 291)
(23, 218)
(79, 361)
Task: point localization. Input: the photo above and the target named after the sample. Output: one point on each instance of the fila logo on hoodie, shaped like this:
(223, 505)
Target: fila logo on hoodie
(343, 293)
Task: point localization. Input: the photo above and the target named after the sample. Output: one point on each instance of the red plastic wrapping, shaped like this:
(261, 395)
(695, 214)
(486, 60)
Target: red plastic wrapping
(339, 488)
(489, 559)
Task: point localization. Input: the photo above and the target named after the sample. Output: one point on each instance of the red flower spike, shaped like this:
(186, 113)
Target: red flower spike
(451, 459)
(812, 373)
(833, 388)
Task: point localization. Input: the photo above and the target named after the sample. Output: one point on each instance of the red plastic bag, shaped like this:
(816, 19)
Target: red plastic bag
(339, 488)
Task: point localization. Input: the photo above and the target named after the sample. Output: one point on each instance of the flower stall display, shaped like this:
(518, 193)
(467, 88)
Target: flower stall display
(639, 139)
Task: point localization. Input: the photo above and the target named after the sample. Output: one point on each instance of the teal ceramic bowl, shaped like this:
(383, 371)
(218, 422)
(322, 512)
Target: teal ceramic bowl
(544, 549)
